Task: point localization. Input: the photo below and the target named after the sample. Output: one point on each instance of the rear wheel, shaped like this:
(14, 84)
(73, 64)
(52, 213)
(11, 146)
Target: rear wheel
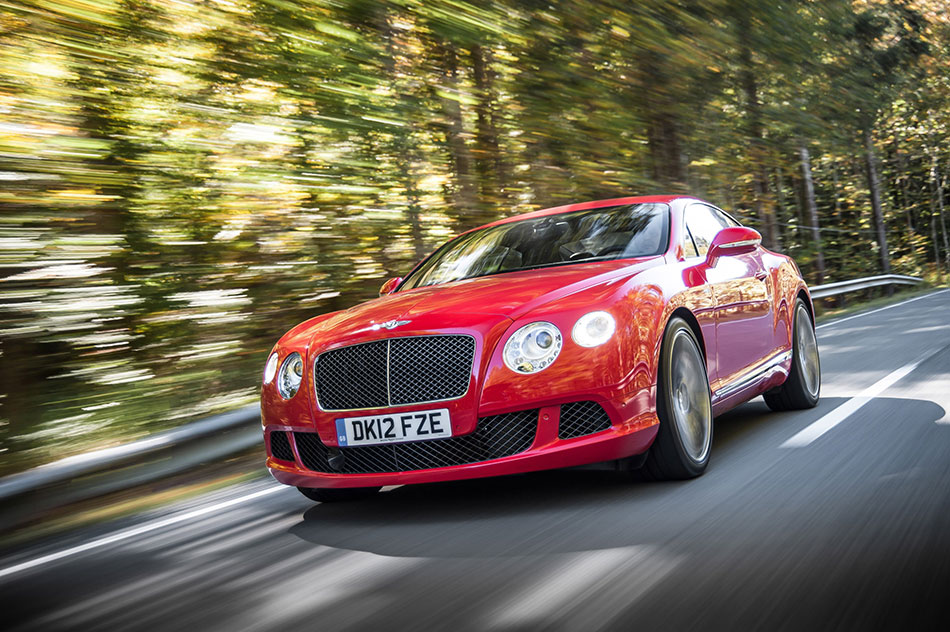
(327, 495)
(684, 438)
(801, 388)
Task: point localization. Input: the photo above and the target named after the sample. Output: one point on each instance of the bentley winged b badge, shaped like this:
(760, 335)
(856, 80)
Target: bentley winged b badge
(391, 324)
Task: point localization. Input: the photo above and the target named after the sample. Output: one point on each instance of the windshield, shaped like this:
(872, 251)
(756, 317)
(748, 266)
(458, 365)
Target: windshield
(616, 232)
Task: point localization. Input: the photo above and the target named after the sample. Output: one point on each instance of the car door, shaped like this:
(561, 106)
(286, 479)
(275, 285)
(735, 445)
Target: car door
(744, 327)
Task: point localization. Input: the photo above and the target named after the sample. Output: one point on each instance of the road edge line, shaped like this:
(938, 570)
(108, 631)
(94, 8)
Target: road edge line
(132, 532)
(881, 309)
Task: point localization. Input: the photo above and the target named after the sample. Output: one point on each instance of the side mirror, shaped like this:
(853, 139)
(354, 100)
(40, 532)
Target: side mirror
(735, 240)
(390, 286)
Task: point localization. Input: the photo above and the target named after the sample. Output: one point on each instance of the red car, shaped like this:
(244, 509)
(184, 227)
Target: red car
(606, 331)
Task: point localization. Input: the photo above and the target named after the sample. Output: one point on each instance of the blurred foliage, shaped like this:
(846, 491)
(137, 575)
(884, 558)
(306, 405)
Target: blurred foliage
(183, 180)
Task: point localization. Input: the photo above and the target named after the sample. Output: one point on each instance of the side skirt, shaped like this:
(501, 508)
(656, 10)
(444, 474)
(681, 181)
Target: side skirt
(754, 381)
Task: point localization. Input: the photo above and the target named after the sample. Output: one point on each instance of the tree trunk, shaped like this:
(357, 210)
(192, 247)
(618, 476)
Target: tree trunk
(750, 87)
(403, 146)
(488, 159)
(933, 231)
(902, 179)
(800, 213)
(937, 181)
(874, 186)
(782, 211)
(834, 175)
(812, 211)
(662, 126)
(465, 196)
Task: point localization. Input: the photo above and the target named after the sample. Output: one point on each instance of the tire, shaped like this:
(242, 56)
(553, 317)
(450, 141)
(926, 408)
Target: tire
(802, 387)
(684, 439)
(326, 495)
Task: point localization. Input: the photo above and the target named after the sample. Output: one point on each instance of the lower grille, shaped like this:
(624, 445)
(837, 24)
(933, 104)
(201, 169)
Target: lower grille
(579, 419)
(280, 446)
(495, 437)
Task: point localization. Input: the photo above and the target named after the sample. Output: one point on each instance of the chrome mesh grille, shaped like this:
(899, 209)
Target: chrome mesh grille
(579, 419)
(410, 370)
(353, 377)
(495, 437)
(280, 446)
(426, 368)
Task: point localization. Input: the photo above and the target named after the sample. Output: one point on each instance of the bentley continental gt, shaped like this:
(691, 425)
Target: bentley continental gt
(614, 330)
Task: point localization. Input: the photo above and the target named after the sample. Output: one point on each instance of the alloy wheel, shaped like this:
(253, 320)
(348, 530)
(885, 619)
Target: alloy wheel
(689, 395)
(807, 349)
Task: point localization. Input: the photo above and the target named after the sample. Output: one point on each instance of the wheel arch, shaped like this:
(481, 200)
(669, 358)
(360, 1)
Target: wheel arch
(693, 323)
(802, 294)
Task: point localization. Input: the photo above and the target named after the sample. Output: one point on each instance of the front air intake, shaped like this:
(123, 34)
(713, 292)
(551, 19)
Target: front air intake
(495, 437)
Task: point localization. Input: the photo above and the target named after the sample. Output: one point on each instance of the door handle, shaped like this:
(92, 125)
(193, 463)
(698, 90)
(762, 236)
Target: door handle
(761, 275)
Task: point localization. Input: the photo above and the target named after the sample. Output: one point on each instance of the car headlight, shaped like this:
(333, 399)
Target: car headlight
(593, 329)
(290, 375)
(532, 348)
(270, 369)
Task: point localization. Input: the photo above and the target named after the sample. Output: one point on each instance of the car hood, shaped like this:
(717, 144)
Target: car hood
(484, 299)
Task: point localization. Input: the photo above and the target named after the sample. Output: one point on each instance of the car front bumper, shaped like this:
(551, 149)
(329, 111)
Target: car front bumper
(626, 435)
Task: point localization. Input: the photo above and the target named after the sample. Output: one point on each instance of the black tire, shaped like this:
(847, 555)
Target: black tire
(684, 439)
(802, 387)
(326, 495)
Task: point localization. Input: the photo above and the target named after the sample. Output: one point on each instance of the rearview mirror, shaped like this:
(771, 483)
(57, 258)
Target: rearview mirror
(735, 240)
(390, 286)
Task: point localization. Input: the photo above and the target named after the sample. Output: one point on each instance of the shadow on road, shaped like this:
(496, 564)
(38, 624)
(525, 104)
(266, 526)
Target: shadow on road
(562, 510)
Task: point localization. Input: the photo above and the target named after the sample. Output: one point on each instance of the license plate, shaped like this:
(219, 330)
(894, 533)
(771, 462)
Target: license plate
(377, 429)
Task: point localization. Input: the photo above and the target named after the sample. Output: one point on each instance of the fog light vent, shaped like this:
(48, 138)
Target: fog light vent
(280, 446)
(579, 419)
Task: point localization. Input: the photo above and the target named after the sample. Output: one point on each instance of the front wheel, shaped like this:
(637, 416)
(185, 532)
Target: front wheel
(684, 438)
(327, 495)
(803, 384)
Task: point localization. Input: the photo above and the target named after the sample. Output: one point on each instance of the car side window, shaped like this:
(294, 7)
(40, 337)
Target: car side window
(703, 223)
(726, 218)
(689, 248)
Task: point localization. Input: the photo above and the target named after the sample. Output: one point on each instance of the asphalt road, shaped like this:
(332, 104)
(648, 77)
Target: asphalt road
(832, 518)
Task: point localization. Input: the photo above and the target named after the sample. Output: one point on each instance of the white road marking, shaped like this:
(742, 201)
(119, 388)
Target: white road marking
(842, 412)
(317, 590)
(134, 531)
(584, 588)
(881, 309)
(564, 581)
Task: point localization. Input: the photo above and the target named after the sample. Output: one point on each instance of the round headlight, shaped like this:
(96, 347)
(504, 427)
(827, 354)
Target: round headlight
(593, 329)
(532, 348)
(290, 375)
(270, 369)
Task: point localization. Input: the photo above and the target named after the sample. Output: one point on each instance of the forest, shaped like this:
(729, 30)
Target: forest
(181, 181)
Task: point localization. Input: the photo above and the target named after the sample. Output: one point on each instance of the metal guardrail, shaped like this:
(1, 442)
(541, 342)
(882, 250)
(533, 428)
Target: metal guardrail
(841, 287)
(35, 492)
(166, 453)
(81, 464)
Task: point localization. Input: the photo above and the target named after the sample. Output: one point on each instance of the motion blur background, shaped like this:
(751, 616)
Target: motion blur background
(181, 181)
